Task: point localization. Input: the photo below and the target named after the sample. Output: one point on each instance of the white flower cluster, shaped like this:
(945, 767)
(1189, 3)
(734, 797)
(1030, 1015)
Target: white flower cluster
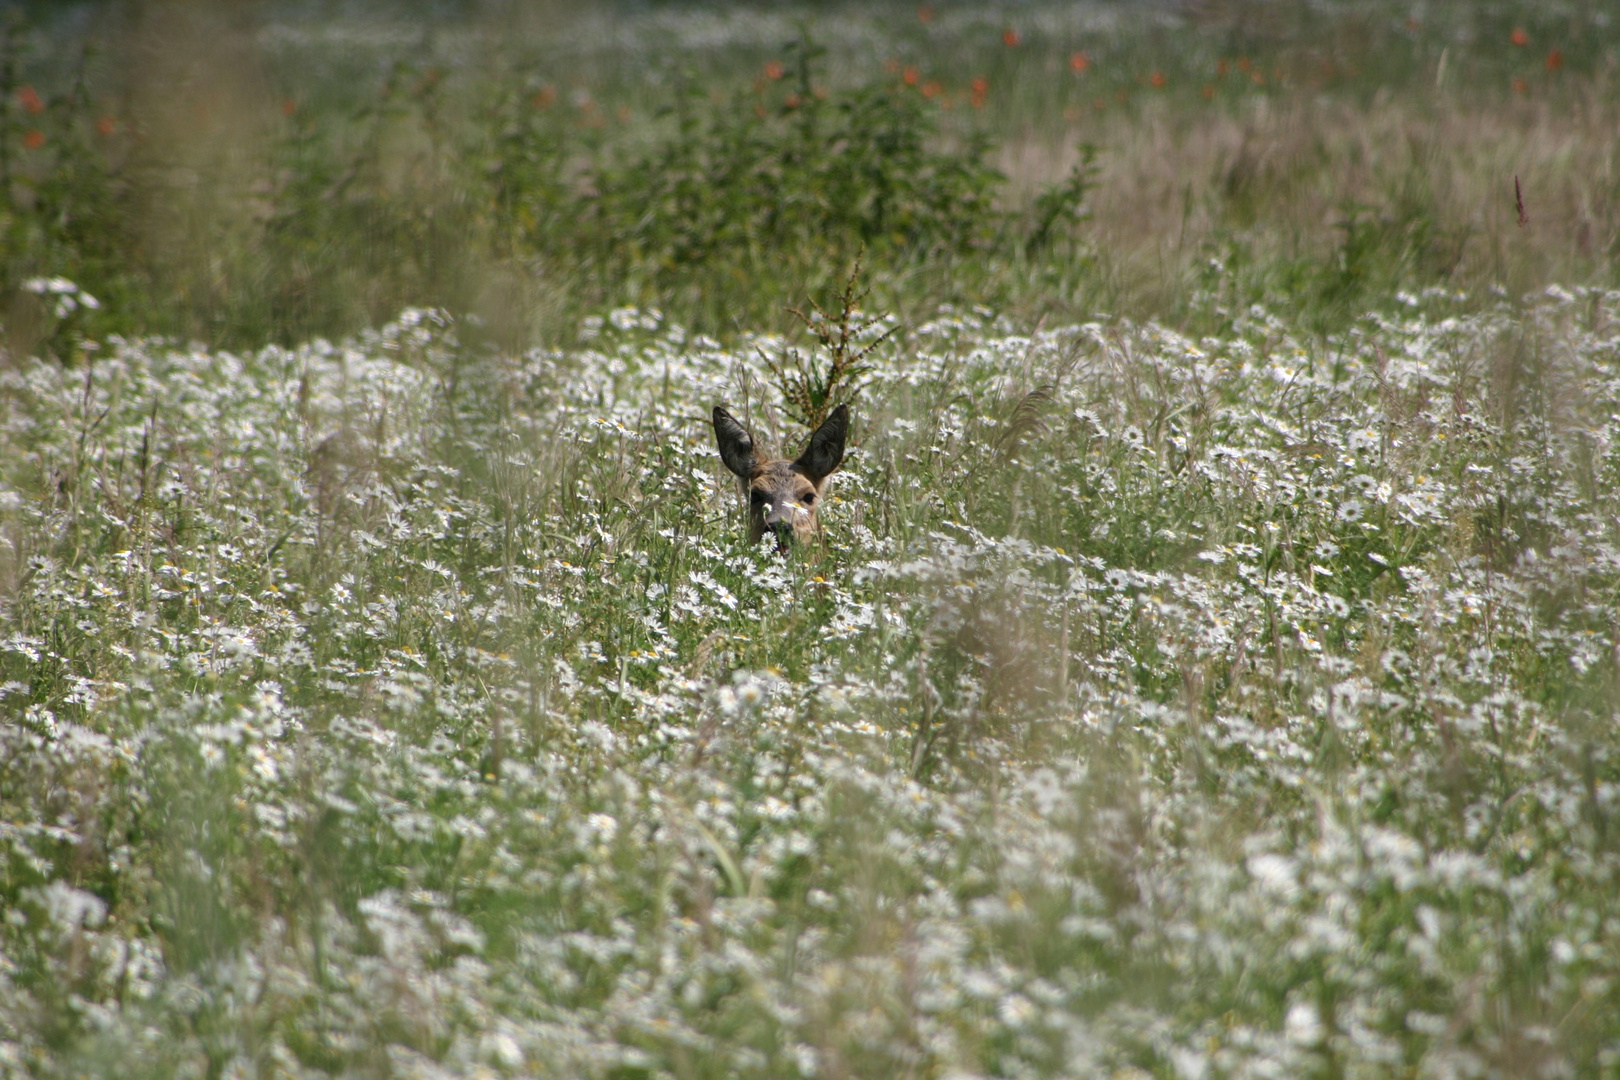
(1239, 706)
(63, 296)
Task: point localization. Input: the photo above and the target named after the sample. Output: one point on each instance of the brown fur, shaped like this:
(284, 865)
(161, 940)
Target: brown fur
(783, 496)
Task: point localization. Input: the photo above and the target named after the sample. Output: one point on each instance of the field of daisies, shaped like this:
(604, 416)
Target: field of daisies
(1239, 706)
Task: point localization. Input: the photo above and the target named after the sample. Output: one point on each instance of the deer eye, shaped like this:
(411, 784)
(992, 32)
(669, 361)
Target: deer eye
(808, 499)
(758, 498)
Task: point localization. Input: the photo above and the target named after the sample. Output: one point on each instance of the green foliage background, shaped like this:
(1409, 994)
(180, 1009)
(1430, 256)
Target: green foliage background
(254, 171)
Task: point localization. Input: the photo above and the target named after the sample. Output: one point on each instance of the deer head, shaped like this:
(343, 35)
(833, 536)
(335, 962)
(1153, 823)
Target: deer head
(783, 496)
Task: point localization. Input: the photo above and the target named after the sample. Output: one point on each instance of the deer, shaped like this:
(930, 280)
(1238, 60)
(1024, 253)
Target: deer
(783, 496)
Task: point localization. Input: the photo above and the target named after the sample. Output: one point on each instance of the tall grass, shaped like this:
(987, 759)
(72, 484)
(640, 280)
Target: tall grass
(251, 173)
(1208, 707)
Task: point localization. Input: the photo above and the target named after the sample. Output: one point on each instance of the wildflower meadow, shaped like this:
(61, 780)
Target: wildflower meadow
(1208, 666)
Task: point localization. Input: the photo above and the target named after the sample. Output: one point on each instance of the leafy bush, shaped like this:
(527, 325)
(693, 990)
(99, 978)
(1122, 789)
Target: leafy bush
(754, 198)
(734, 209)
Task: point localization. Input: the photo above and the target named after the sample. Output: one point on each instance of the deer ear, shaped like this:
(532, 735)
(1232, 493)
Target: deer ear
(736, 448)
(826, 449)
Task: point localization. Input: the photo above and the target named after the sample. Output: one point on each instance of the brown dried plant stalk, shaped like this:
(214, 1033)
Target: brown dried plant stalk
(811, 389)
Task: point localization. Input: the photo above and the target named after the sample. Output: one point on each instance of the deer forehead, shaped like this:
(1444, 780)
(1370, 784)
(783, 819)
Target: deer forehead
(781, 479)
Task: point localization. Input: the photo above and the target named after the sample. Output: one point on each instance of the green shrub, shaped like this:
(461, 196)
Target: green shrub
(744, 203)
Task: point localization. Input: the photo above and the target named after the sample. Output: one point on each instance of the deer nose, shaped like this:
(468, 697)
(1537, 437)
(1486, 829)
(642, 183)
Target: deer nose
(782, 531)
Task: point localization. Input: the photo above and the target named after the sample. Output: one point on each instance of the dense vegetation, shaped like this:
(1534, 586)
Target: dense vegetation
(241, 173)
(1209, 670)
